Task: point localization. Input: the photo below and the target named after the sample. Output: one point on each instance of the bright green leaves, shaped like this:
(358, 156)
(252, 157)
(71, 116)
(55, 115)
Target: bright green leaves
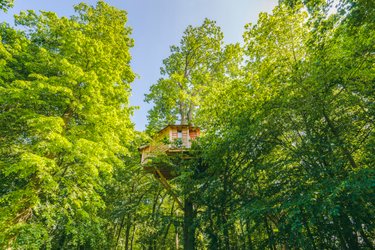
(6, 4)
(288, 135)
(287, 156)
(275, 50)
(190, 68)
(65, 123)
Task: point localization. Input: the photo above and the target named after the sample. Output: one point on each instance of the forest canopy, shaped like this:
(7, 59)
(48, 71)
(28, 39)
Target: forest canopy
(285, 159)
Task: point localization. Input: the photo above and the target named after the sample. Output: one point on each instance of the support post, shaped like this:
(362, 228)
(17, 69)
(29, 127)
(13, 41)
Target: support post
(165, 183)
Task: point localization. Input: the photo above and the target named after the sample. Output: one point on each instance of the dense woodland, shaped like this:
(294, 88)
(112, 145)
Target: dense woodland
(286, 160)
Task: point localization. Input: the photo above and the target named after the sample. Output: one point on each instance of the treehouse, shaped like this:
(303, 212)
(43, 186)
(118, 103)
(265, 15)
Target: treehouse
(170, 141)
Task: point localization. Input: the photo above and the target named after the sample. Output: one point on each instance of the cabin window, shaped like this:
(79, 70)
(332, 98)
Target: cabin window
(179, 134)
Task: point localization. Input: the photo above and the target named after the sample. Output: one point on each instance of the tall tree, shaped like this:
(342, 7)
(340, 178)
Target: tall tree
(190, 67)
(65, 124)
(287, 142)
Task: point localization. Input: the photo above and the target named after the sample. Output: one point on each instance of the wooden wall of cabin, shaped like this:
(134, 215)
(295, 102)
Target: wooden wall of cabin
(174, 132)
(188, 134)
(171, 133)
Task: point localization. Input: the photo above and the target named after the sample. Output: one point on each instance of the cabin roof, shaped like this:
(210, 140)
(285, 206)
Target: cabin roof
(177, 126)
(169, 126)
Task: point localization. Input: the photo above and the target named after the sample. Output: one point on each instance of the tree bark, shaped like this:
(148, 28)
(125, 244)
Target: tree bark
(177, 237)
(127, 234)
(189, 229)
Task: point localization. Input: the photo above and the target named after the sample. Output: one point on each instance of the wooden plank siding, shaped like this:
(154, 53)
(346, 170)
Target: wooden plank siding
(170, 132)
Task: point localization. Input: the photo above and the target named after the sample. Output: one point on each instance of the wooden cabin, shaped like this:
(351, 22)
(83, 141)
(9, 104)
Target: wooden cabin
(170, 140)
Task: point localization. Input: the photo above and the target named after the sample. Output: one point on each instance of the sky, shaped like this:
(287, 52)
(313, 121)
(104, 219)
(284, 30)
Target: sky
(158, 24)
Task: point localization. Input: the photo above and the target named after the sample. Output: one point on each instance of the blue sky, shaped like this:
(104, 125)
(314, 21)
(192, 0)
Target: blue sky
(156, 25)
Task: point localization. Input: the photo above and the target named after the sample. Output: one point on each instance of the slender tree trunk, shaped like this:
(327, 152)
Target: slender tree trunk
(190, 113)
(119, 230)
(242, 236)
(189, 229)
(153, 218)
(132, 239)
(168, 226)
(177, 237)
(127, 234)
(224, 208)
(182, 112)
(212, 232)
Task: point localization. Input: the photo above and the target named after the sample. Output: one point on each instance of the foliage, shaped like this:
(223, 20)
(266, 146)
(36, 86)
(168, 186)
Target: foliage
(295, 134)
(65, 124)
(286, 160)
(6, 4)
(188, 73)
(287, 157)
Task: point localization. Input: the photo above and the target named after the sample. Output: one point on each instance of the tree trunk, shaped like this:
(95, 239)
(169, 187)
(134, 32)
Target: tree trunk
(224, 219)
(182, 112)
(189, 229)
(190, 113)
(168, 227)
(177, 238)
(127, 234)
(119, 230)
(132, 239)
